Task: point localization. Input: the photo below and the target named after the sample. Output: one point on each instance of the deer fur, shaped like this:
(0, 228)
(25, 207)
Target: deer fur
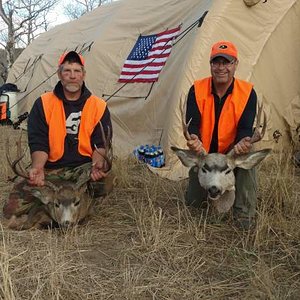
(215, 172)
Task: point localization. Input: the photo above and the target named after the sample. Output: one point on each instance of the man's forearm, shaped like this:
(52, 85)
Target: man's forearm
(39, 159)
(193, 113)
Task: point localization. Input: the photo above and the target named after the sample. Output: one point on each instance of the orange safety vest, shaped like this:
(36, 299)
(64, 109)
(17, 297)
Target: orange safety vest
(230, 115)
(92, 112)
(3, 109)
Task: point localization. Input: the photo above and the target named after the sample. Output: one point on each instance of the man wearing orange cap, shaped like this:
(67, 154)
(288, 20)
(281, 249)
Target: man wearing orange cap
(207, 107)
(66, 142)
(63, 125)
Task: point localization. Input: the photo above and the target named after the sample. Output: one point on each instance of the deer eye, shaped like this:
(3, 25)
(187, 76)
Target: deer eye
(225, 169)
(56, 204)
(206, 168)
(228, 171)
(76, 203)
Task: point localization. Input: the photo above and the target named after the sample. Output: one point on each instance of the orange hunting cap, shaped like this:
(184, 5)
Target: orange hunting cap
(72, 56)
(224, 49)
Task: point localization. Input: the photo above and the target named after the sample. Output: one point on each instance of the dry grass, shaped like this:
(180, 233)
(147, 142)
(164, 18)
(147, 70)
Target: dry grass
(143, 243)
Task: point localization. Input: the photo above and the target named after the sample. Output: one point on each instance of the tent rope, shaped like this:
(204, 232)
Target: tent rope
(181, 35)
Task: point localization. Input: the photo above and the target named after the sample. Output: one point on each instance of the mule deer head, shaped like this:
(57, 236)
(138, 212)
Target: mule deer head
(215, 170)
(65, 202)
(61, 201)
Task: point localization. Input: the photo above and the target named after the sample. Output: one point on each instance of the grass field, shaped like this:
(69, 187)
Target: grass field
(144, 243)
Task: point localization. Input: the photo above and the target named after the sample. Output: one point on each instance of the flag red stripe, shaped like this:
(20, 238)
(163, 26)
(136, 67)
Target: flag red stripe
(161, 47)
(142, 72)
(138, 80)
(152, 64)
(159, 55)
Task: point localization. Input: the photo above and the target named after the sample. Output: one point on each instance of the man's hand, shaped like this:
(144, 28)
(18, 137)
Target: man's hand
(36, 177)
(195, 144)
(98, 169)
(99, 165)
(36, 172)
(243, 146)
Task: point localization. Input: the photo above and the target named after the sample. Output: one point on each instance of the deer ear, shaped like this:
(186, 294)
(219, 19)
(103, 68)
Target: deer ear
(36, 193)
(41, 194)
(187, 157)
(251, 159)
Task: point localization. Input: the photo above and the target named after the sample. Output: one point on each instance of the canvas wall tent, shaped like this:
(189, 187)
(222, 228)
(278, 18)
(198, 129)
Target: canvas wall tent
(267, 35)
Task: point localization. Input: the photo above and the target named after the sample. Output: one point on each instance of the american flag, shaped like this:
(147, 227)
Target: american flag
(148, 57)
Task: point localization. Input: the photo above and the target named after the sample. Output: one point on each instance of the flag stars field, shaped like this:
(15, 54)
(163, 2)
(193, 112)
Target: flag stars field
(148, 57)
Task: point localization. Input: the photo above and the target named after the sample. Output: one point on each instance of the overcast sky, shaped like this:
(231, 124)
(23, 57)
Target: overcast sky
(57, 17)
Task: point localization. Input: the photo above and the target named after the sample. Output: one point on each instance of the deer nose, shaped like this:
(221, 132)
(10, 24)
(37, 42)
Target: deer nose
(66, 223)
(213, 191)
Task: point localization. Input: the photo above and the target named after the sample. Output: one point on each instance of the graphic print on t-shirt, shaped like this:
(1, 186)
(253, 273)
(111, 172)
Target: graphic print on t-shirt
(72, 122)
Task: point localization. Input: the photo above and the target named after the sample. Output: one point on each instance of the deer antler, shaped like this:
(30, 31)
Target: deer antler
(14, 164)
(107, 146)
(18, 169)
(258, 135)
(186, 129)
(185, 126)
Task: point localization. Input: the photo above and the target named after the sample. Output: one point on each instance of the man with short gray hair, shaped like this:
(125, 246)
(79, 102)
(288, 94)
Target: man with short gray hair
(222, 110)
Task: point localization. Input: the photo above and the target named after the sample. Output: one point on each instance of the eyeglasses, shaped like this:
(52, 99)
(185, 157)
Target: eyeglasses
(225, 63)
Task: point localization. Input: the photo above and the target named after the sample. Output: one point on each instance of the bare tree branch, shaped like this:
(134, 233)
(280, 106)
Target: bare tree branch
(77, 8)
(24, 20)
(3, 15)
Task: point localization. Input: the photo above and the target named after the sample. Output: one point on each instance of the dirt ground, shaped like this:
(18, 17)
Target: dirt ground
(143, 243)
